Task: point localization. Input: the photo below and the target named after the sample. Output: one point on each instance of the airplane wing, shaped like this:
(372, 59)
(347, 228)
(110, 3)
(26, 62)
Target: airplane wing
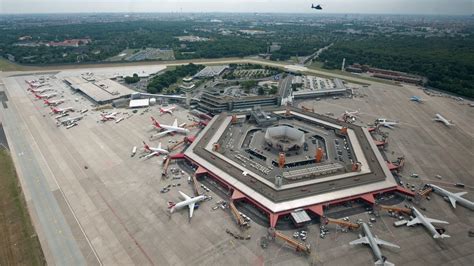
(362, 240)
(191, 209)
(414, 221)
(453, 201)
(185, 197)
(161, 134)
(385, 243)
(175, 123)
(436, 221)
(151, 155)
(388, 125)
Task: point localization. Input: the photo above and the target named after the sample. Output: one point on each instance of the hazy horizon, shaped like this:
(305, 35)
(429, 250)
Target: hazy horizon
(401, 7)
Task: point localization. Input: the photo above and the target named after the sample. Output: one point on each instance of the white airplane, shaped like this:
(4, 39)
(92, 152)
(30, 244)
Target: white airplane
(386, 123)
(427, 223)
(53, 102)
(349, 116)
(440, 118)
(168, 110)
(61, 110)
(154, 151)
(45, 96)
(374, 243)
(175, 128)
(106, 117)
(40, 90)
(71, 120)
(453, 197)
(188, 201)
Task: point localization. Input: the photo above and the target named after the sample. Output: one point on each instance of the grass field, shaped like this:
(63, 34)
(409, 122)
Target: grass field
(19, 244)
(6, 65)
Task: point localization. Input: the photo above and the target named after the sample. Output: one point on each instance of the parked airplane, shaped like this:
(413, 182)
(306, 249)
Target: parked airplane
(351, 116)
(53, 102)
(40, 90)
(61, 110)
(440, 118)
(188, 201)
(45, 96)
(417, 99)
(110, 116)
(318, 7)
(453, 197)
(71, 120)
(374, 243)
(175, 128)
(154, 151)
(427, 223)
(386, 123)
(168, 110)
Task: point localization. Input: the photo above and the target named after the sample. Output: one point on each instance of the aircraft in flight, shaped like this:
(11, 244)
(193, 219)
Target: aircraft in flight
(417, 99)
(167, 129)
(317, 7)
(55, 110)
(107, 117)
(53, 102)
(169, 110)
(45, 96)
(154, 151)
(453, 197)
(427, 223)
(374, 242)
(386, 123)
(188, 201)
(440, 118)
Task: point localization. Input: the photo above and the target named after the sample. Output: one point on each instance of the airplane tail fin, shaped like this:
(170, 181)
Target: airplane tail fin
(155, 123)
(161, 110)
(384, 263)
(145, 146)
(441, 236)
(46, 102)
(440, 233)
(171, 206)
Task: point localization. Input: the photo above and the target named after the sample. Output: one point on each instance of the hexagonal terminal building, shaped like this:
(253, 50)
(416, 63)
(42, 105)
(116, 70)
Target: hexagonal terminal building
(286, 159)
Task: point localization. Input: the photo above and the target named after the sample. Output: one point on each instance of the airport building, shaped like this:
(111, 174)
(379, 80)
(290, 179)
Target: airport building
(98, 89)
(214, 102)
(283, 159)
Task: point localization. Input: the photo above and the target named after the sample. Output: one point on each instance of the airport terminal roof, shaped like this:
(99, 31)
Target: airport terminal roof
(98, 88)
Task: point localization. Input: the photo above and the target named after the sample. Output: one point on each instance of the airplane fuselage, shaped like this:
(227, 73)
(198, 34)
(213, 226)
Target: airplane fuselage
(185, 203)
(443, 120)
(373, 245)
(427, 224)
(462, 201)
(175, 129)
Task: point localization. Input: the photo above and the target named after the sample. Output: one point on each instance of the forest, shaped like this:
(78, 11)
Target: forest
(162, 81)
(448, 63)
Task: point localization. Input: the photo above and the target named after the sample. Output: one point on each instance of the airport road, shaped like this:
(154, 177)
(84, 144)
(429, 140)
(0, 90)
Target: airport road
(353, 78)
(61, 244)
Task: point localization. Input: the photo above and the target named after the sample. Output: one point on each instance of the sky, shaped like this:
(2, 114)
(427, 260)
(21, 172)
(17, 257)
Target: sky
(428, 7)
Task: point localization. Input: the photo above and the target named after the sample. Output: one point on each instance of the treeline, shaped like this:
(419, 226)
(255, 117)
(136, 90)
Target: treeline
(160, 82)
(448, 63)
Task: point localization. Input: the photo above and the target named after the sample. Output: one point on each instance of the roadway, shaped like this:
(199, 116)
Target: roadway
(195, 61)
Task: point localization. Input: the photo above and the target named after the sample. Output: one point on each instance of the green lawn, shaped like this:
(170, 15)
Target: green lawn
(19, 244)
